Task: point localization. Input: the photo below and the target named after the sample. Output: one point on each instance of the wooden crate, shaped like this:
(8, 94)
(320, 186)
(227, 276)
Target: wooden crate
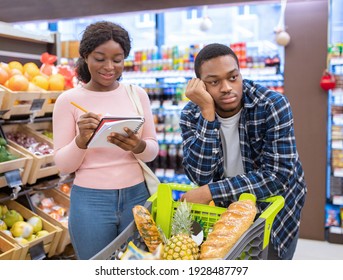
(23, 163)
(20, 102)
(9, 250)
(42, 165)
(50, 241)
(40, 127)
(2, 94)
(51, 97)
(63, 201)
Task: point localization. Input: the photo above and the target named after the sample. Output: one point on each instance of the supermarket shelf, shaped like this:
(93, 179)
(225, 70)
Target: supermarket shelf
(266, 73)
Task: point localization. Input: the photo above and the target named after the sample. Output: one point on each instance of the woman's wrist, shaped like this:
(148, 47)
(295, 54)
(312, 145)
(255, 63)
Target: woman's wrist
(140, 147)
(80, 142)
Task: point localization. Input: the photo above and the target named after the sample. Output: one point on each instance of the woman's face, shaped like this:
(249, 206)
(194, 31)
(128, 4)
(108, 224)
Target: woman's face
(106, 65)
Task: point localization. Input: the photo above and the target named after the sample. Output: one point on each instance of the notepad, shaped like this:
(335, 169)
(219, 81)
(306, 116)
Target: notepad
(113, 124)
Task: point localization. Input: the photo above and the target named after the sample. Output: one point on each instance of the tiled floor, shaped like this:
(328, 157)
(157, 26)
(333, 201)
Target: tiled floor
(318, 250)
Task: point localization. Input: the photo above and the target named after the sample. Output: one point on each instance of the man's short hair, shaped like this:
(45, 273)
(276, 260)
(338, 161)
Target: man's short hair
(212, 51)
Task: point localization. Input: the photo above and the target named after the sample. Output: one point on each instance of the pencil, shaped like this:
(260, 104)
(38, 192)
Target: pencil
(78, 106)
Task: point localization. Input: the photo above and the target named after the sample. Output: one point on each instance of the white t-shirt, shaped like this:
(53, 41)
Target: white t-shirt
(233, 164)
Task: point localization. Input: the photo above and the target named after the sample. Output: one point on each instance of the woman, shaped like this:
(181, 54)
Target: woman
(109, 180)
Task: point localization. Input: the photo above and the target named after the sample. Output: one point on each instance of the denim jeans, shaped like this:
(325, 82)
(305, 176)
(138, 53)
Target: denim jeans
(273, 255)
(97, 217)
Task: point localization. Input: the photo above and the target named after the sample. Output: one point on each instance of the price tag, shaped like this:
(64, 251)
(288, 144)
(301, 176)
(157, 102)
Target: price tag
(13, 178)
(37, 251)
(37, 104)
(3, 112)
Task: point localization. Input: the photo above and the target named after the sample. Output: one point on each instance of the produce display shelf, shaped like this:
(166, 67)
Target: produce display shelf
(43, 165)
(49, 242)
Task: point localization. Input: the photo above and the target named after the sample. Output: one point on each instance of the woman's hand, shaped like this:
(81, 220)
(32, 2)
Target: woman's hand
(87, 123)
(130, 142)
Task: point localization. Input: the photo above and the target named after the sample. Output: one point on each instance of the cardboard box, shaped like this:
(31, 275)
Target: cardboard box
(42, 165)
(50, 241)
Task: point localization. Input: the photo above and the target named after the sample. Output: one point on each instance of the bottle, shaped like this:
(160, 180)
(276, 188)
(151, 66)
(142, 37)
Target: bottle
(179, 158)
(163, 153)
(172, 153)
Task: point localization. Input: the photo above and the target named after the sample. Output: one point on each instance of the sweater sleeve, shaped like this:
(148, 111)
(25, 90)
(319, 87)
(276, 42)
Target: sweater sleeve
(149, 131)
(67, 155)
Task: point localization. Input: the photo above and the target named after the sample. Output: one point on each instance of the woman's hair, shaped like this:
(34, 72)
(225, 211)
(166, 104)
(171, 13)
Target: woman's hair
(95, 35)
(212, 51)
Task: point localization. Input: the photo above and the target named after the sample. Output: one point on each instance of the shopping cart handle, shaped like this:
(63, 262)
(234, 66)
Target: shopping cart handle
(277, 203)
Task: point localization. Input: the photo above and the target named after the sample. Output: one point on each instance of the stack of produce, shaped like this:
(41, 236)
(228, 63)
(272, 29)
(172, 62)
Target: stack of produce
(30, 77)
(30, 143)
(5, 155)
(23, 231)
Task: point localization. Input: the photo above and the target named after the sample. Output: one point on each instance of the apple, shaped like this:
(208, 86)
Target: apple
(42, 233)
(36, 223)
(11, 217)
(21, 240)
(3, 225)
(32, 237)
(7, 232)
(22, 229)
(3, 210)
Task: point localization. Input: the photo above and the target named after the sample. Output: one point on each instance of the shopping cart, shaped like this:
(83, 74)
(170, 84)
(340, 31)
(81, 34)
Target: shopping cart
(253, 244)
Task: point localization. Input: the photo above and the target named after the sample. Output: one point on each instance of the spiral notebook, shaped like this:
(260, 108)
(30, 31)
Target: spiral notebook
(113, 124)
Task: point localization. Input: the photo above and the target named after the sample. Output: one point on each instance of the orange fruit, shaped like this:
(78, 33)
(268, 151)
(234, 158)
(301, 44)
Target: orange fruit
(15, 71)
(30, 65)
(6, 67)
(3, 76)
(16, 65)
(31, 70)
(56, 82)
(41, 81)
(18, 83)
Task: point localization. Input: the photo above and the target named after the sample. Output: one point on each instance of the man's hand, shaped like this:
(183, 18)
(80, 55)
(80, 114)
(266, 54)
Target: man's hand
(200, 195)
(197, 93)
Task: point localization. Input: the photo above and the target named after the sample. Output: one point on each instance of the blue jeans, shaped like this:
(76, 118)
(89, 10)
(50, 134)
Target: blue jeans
(97, 217)
(273, 255)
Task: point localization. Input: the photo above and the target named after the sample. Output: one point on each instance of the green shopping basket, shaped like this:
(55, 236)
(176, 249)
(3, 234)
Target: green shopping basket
(253, 244)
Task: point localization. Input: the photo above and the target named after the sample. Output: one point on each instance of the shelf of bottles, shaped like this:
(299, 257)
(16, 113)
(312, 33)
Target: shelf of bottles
(164, 75)
(334, 190)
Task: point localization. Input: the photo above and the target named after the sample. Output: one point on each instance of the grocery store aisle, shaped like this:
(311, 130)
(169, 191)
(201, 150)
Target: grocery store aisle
(318, 250)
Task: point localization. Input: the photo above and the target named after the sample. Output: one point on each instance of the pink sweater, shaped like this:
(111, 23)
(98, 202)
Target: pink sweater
(100, 168)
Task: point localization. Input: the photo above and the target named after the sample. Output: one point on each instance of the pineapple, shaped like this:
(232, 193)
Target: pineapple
(181, 246)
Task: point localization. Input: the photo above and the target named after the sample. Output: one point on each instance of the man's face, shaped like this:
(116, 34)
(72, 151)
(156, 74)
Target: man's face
(223, 81)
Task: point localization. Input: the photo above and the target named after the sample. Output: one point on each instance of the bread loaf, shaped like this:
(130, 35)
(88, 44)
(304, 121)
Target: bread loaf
(228, 229)
(146, 227)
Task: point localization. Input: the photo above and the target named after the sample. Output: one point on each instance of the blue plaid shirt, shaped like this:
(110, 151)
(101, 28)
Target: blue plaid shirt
(270, 158)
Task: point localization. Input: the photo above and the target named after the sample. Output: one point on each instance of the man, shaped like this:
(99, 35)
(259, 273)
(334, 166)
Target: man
(238, 137)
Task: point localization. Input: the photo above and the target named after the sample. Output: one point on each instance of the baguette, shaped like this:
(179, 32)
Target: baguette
(228, 229)
(146, 227)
